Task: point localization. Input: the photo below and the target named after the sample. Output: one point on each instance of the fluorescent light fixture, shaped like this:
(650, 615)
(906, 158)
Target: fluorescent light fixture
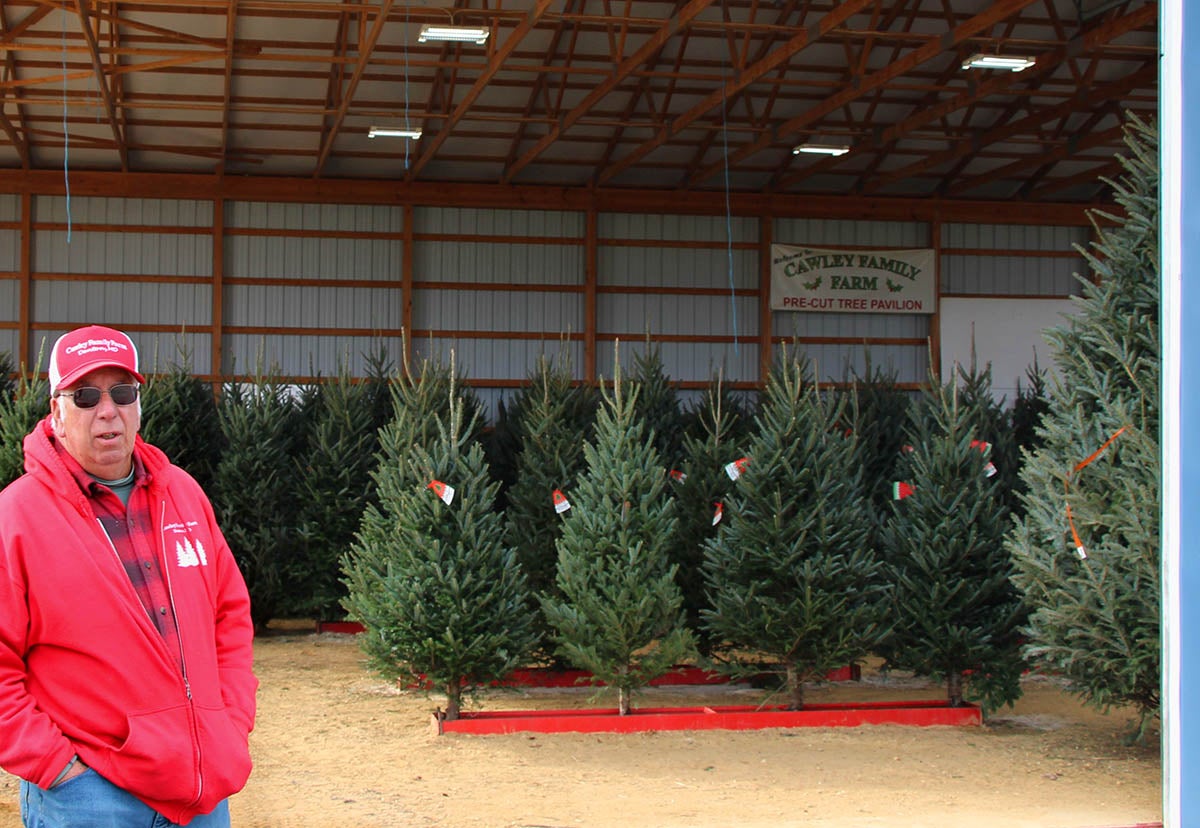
(1011, 63)
(820, 149)
(393, 132)
(458, 34)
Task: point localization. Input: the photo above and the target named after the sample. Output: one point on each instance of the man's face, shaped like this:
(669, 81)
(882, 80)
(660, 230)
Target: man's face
(100, 438)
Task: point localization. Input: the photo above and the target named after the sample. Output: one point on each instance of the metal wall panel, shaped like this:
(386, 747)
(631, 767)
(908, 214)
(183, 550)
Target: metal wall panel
(314, 217)
(1011, 275)
(464, 221)
(1014, 236)
(10, 296)
(685, 361)
(677, 267)
(10, 207)
(292, 306)
(835, 363)
(266, 257)
(652, 227)
(132, 254)
(843, 233)
(716, 316)
(138, 212)
(187, 349)
(303, 355)
(121, 303)
(10, 344)
(514, 263)
(509, 311)
(10, 250)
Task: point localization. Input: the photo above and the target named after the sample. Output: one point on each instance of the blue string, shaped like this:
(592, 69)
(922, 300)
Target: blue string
(728, 217)
(66, 135)
(407, 141)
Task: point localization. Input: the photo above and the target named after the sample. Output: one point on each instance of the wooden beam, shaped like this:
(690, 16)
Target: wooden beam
(615, 200)
(494, 65)
(110, 108)
(840, 14)
(339, 117)
(935, 47)
(623, 70)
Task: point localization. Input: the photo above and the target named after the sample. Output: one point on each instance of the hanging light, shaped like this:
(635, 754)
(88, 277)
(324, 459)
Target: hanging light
(457, 34)
(820, 149)
(1012, 63)
(393, 132)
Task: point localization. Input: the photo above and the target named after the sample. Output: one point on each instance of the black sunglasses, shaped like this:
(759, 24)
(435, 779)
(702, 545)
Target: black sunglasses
(89, 396)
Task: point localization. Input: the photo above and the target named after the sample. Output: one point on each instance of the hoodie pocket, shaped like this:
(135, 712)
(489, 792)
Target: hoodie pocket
(225, 751)
(158, 758)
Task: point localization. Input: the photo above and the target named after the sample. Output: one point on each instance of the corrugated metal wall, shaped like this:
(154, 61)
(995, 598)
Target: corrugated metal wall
(137, 263)
(307, 288)
(10, 266)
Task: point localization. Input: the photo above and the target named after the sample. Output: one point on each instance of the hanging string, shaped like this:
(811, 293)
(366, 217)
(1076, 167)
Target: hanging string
(66, 135)
(728, 215)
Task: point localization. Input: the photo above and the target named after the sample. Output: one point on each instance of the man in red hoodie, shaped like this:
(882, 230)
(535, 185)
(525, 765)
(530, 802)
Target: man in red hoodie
(126, 682)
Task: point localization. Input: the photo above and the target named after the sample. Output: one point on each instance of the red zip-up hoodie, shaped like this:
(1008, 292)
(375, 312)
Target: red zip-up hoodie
(83, 668)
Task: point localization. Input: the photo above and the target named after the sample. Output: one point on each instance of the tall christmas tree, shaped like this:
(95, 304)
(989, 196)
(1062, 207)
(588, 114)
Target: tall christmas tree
(179, 415)
(19, 413)
(556, 421)
(442, 597)
(335, 486)
(1087, 550)
(878, 417)
(719, 434)
(618, 609)
(657, 403)
(792, 576)
(254, 488)
(954, 614)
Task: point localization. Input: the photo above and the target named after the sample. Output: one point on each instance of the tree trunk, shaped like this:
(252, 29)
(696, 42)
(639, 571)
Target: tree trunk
(623, 701)
(453, 702)
(795, 689)
(954, 688)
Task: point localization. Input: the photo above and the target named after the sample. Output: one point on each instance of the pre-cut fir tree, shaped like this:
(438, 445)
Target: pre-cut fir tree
(1087, 551)
(618, 611)
(792, 577)
(439, 593)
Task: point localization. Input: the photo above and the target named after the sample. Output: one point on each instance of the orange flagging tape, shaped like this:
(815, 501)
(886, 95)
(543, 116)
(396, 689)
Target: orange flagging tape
(1080, 466)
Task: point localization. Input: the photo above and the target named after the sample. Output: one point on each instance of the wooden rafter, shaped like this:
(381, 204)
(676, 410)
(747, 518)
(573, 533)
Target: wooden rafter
(1001, 84)
(623, 70)
(772, 62)
(965, 30)
(494, 64)
(106, 95)
(364, 57)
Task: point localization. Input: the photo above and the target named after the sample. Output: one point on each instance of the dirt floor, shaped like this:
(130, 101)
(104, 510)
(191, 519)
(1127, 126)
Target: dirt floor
(337, 746)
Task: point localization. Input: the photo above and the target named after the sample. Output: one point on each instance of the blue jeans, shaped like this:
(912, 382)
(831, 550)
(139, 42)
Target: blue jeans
(91, 801)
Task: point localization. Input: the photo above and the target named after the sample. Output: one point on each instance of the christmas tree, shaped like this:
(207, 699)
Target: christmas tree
(954, 614)
(442, 597)
(791, 575)
(657, 403)
(718, 434)
(254, 489)
(179, 416)
(556, 421)
(1087, 549)
(334, 483)
(618, 609)
(878, 417)
(19, 413)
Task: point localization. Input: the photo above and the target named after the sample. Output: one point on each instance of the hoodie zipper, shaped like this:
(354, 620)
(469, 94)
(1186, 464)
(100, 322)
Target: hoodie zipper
(187, 685)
